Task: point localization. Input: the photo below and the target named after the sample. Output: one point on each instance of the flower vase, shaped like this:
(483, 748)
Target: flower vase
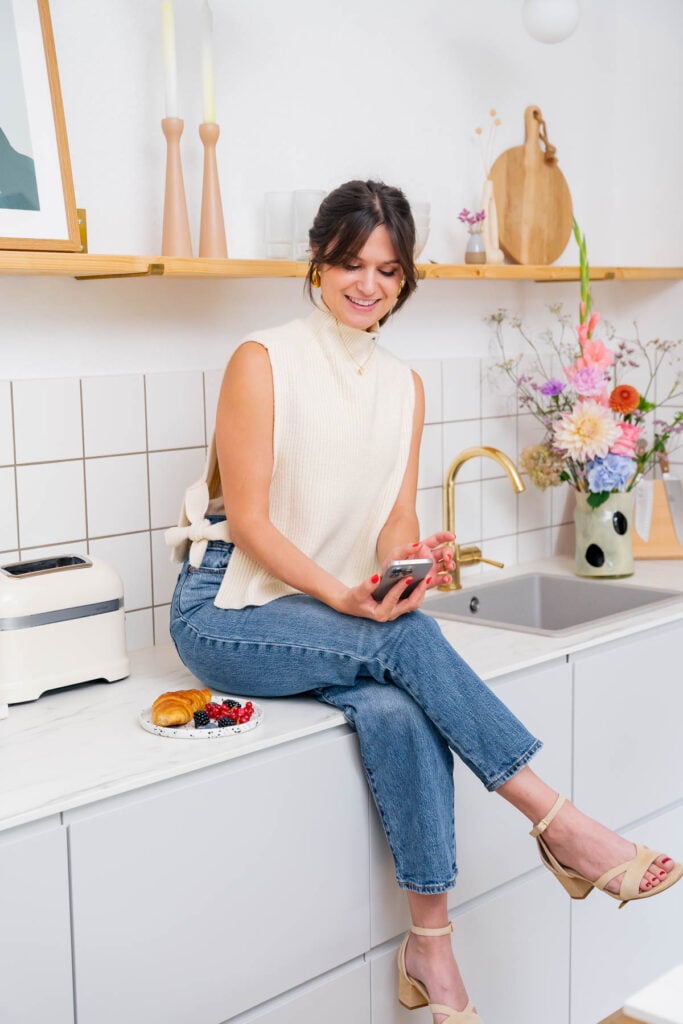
(476, 249)
(604, 536)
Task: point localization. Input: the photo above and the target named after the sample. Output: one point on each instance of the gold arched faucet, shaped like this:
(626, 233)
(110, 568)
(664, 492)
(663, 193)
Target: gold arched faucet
(471, 555)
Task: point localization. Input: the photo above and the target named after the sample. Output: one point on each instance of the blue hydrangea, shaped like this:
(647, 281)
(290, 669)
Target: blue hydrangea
(610, 474)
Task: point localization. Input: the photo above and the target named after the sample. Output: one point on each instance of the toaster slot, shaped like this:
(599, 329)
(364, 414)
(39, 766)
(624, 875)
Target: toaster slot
(41, 566)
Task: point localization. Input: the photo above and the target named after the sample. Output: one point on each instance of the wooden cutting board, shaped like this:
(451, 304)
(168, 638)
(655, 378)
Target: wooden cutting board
(662, 541)
(532, 198)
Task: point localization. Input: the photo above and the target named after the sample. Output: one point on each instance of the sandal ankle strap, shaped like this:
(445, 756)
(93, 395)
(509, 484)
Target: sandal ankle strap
(544, 822)
(432, 931)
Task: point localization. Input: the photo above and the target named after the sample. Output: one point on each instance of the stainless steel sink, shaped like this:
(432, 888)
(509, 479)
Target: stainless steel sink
(545, 604)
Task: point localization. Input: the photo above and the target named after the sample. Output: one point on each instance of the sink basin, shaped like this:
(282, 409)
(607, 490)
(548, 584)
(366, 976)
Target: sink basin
(545, 604)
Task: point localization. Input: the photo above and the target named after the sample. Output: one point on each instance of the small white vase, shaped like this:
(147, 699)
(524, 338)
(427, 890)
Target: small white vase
(604, 536)
(476, 250)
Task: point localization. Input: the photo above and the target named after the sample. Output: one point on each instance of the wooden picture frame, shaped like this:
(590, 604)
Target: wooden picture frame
(37, 201)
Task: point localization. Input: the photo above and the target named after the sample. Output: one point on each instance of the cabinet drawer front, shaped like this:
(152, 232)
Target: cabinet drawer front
(628, 706)
(35, 934)
(214, 897)
(513, 951)
(343, 997)
(616, 952)
(486, 824)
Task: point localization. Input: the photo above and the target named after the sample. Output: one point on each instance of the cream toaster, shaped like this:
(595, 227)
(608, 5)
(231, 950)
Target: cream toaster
(61, 622)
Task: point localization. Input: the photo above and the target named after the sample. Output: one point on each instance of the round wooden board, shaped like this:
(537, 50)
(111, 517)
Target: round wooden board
(532, 199)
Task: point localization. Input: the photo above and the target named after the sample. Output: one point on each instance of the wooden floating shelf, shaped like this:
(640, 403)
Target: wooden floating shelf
(92, 266)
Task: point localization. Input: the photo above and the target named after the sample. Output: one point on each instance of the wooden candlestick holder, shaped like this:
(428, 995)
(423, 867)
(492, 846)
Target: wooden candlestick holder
(212, 229)
(175, 237)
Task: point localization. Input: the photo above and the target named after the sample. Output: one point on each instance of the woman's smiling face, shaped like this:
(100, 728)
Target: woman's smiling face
(362, 291)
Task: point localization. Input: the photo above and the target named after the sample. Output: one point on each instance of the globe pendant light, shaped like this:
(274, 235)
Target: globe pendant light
(550, 21)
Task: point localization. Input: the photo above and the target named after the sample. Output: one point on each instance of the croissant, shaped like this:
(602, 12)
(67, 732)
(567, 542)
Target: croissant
(178, 706)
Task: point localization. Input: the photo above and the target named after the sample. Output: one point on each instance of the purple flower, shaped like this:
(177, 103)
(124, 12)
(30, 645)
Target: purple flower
(553, 387)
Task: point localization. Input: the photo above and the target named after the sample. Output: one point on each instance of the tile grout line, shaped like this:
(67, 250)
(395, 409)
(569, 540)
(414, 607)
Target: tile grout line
(16, 475)
(149, 503)
(85, 479)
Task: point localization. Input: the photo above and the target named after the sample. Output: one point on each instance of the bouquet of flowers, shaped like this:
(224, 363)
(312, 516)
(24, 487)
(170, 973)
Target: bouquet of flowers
(596, 436)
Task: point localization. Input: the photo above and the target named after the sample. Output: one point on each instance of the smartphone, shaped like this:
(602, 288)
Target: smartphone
(417, 568)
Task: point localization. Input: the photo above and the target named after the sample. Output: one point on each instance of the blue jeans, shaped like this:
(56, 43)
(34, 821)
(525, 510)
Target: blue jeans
(409, 696)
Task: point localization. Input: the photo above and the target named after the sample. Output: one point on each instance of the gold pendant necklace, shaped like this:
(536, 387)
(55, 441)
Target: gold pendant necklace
(360, 367)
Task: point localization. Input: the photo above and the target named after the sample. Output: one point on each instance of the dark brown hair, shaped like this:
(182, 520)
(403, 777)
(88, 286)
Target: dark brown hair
(346, 219)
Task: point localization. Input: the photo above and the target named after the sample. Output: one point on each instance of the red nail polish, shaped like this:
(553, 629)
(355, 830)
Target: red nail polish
(408, 579)
(417, 544)
(429, 580)
(375, 579)
(666, 860)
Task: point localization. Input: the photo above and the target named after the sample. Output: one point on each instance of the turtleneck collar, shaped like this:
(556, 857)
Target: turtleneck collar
(358, 343)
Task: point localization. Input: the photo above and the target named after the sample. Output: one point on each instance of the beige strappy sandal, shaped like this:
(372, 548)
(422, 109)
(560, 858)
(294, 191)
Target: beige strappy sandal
(412, 994)
(633, 870)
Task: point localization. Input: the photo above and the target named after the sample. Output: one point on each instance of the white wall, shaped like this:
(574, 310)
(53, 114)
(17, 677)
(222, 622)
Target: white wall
(309, 95)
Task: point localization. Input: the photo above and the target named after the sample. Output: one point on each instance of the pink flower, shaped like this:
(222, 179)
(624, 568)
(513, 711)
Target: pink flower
(626, 444)
(594, 354)
(593, 323)
(586, 381)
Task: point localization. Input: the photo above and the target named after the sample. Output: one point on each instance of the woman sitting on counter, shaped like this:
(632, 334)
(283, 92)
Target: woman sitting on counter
(310, 490)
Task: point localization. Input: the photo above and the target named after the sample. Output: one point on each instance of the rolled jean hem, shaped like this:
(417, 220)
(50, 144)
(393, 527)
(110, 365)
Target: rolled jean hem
(514, 768)
(431, 889)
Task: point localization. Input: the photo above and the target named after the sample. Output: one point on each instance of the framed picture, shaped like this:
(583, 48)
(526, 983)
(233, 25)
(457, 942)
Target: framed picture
(37, 202)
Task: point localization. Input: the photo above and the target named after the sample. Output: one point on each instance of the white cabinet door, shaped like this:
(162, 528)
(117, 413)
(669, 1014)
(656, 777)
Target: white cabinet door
(492, 841)
(341, 997)
(35, 939)
(513, 952)
(201, 898)
(617, 952)
(628, 702)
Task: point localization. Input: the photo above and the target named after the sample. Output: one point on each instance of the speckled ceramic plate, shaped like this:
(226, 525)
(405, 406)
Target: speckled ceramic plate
(191, 732)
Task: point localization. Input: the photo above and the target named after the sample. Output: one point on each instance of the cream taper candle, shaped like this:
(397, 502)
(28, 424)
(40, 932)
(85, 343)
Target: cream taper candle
(170, 70)
(207, 64)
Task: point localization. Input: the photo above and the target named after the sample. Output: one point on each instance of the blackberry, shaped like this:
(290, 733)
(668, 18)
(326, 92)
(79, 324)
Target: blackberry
(224, 722)
(201, 718)
(231, 704)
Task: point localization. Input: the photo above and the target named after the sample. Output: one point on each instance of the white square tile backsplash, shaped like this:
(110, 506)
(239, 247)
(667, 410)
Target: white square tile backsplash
(118, 499)
(51, 499)
(170, 473)
(164, 571)
(212, 386)
(138, 441)
(6, 429)
(114, 415)
(47, 420)
(130, 553)
(429, 371)
(175, 410)
(461, 389)
(8, 509)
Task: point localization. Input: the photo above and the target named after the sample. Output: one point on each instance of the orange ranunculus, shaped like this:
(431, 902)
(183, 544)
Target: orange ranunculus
(624, 399)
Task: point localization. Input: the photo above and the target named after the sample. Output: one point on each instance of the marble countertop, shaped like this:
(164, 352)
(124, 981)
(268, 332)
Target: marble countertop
(74, 747)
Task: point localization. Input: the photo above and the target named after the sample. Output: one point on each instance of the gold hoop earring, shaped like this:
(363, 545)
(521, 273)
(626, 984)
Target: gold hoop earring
(402, 285)
(315, 277)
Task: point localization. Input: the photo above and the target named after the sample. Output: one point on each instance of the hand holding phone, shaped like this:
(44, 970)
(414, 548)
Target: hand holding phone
(416, 568)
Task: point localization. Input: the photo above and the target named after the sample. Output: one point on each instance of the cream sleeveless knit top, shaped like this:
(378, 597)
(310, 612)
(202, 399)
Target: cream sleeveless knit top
(340, 449)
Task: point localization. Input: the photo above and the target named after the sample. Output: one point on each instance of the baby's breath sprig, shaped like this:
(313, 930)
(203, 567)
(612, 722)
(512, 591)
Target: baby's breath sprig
(487, 146)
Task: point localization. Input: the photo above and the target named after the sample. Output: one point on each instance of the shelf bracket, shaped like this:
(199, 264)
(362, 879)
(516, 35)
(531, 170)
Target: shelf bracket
(153, 270)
